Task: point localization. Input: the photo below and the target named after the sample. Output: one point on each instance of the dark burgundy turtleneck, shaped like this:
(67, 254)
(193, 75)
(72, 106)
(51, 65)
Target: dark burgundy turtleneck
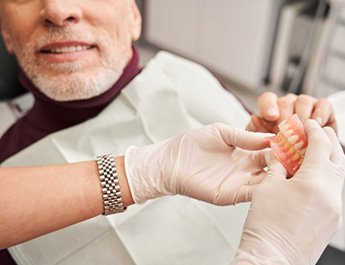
(48, 116)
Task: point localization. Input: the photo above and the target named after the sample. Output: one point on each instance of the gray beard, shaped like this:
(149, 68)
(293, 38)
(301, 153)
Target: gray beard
(72, 80)
(74, 85)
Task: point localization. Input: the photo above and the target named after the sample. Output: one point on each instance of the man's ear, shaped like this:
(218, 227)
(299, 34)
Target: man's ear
(135, 21)
(7, 40)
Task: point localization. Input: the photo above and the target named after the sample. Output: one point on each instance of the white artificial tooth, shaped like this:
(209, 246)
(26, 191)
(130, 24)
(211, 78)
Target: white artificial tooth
(286, 145)
(283, 127)
(296, 156)
(280, 137)
(290, 151)
(293, 139)
(300, 161)
(288, 133)
(302, 151)
(298, 146)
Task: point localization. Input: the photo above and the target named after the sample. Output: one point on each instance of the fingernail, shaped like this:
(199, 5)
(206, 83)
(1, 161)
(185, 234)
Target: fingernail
(272, 112)
(319, 120)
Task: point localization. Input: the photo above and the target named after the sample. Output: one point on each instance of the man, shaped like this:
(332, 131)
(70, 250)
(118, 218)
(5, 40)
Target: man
(97, 53)
(77, 57)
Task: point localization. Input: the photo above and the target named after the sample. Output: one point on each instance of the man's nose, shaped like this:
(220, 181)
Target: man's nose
(60, 12)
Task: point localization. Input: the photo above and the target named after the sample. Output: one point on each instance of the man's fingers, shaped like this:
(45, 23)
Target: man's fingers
(319, 145)
(286, 106)
(304, 106)
(337, 154)
(257, 125)
(332, 122)
(268, 107)
(324, 114)
(322, 111)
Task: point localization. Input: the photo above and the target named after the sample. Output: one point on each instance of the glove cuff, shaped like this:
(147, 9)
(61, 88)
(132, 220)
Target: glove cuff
(144, 175)
(130, 175)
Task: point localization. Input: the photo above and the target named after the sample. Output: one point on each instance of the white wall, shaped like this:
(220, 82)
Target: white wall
(233, 37)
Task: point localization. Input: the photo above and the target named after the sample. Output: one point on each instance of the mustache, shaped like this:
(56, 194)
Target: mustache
(60, 35)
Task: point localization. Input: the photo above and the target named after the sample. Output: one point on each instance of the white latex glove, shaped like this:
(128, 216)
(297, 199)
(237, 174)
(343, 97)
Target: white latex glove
(292, 221)
(204, 164)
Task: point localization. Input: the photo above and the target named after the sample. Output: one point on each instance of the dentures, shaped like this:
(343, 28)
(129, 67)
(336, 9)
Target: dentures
(289, 145)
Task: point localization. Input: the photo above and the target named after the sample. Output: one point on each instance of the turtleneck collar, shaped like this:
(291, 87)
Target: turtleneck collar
(50, 115)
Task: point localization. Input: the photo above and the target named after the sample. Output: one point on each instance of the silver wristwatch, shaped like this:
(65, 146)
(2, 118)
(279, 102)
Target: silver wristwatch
(112, 199)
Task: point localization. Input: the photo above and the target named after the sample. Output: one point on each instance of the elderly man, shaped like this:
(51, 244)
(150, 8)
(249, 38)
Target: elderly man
(78, 61)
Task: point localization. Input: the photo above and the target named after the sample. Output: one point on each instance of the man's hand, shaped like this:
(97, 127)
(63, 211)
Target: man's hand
(273, 110)
(218, 164)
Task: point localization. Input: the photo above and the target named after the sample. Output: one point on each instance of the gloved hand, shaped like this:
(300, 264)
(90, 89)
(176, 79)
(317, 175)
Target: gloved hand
(292, 221)
(205, 164)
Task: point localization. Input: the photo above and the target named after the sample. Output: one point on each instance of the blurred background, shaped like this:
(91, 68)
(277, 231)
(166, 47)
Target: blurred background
(255, 46)
(278, 45)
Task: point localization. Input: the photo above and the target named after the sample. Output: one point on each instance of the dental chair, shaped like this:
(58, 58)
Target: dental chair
(9, 85)
(12, 94)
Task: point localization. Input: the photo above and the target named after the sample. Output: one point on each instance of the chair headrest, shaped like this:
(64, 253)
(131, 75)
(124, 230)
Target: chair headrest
(9, 85)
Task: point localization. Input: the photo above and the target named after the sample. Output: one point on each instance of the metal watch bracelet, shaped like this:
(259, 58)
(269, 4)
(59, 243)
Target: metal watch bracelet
(112, 199)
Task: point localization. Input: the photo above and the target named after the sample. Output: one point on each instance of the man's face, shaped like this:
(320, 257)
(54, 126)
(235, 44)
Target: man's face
(71, 49)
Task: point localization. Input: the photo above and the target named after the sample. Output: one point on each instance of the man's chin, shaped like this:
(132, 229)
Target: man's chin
(71, 89)
(70, 96)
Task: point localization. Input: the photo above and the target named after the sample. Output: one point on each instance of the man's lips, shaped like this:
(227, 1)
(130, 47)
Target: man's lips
(66, 47)
(67, 51)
